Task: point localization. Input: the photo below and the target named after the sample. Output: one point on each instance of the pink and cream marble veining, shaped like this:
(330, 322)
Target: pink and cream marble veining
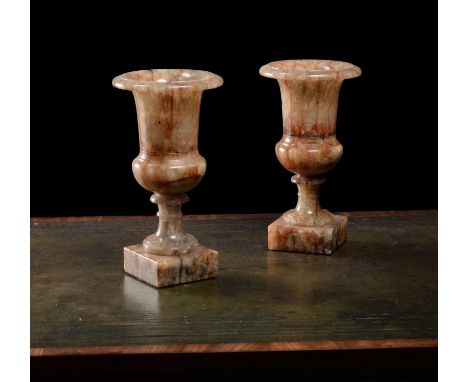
(309, 148)
(169, 164)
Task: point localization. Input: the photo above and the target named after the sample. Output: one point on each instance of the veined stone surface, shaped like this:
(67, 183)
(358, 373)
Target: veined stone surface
(169, 164)
(324, 239)
(200, 263)
(309, 148)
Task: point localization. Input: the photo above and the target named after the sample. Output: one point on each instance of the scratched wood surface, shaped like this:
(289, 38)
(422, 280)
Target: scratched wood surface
(379, 289)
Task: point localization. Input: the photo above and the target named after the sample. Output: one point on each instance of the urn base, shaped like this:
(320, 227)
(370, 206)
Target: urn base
(161, 271)
(323, 240)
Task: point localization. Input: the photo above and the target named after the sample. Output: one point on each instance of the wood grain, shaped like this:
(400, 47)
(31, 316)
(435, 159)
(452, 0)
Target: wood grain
(225, 216)
(235, 347)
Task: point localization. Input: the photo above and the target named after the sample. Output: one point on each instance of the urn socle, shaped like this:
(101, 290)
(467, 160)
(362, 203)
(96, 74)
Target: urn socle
(169, 165)
(309, 148)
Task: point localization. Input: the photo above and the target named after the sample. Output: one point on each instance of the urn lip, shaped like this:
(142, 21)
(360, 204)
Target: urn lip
(159, 79)
(310, 70)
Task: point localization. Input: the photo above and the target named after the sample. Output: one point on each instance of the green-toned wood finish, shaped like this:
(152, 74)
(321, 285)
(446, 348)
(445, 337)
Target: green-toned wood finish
(381, 284)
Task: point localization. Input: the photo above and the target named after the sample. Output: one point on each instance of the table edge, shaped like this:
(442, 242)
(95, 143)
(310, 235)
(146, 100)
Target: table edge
(235, 347)
(226, 216)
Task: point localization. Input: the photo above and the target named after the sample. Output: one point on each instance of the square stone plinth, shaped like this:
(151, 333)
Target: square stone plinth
(161, 271)
(320, 240)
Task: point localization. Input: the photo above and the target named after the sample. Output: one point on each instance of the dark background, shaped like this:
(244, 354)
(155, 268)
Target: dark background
(84, 132)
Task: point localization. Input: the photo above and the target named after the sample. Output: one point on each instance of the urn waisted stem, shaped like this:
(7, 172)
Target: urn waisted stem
(170, 238)
(308, 211)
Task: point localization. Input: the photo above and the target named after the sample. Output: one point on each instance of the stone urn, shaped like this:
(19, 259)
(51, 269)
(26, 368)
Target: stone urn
(309, 149)
(169, 164)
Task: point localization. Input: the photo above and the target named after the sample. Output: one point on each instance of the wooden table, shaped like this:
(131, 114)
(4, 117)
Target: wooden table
(368, 308)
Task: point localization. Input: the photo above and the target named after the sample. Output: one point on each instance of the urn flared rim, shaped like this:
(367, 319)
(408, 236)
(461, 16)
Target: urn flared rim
(310, 70)
(159, 79)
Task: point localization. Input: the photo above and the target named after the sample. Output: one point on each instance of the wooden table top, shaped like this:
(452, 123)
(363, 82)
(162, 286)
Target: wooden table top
(379, 290)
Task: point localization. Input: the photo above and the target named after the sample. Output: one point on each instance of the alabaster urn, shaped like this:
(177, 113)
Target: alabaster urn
(169, 164)
(309, 149)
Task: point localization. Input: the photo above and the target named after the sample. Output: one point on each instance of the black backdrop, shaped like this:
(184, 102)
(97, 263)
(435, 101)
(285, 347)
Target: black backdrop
(84, 132)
